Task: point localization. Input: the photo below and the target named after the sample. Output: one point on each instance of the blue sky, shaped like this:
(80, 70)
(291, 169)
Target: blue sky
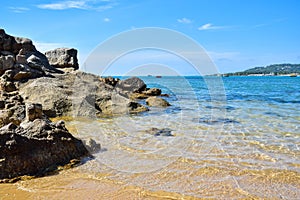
(237, 34)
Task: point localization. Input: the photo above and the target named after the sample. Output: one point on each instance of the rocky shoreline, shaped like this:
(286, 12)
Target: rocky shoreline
(35, 87)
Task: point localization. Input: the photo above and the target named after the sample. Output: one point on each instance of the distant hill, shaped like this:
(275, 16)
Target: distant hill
(275, 69)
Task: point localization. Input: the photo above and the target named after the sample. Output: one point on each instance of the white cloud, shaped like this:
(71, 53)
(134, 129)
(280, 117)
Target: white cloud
(98, 5)
(64, 5)
(184, 21)
(19, 9)
(209, 26)
(106, 19)
(44, 46)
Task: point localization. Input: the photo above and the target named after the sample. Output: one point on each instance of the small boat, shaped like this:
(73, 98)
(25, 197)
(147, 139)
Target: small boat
(293, 75)
(225, 75)
(158, 76)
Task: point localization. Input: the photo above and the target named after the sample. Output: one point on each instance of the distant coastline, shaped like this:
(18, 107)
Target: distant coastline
(286, 69)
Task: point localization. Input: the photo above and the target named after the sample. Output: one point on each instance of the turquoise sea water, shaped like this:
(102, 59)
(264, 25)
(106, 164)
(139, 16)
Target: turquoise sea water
(234, 137)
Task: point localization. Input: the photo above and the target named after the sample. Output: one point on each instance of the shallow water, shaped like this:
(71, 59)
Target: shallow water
(240, 144)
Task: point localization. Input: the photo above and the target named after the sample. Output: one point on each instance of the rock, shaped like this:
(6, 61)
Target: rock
(157, 102)
(20, 55)
(109, 80)
(12, 109)
(23, 46)
(165, 95)
(146, 93)
(160, 132)
(39, 61)
(152, 92)
(6, 62)
(21, 59)
(34, 111)
(6, 53)
(136, 95)
(2, 104)
(35, 148)
(7, 86)
(22, 75)
(133, 84)
(92, 146)
(63, 58)
(117, 104)
(212, 121)
(77, 94)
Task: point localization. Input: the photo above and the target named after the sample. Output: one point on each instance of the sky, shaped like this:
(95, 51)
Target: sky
(236, 34)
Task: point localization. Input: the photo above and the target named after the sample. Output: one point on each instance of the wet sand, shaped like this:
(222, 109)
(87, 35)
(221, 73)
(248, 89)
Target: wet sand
(193, 181)
(68, 185)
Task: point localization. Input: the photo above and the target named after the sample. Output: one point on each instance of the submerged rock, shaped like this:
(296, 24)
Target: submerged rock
(160, 132)
(213, 121)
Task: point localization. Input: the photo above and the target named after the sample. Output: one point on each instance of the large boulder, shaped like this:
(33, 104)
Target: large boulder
(78, 94)
(36, 147)
(117, 104)
(63, 58)
(130, 85)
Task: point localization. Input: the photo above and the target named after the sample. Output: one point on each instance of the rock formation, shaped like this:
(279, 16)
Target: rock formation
(33, 88)
(30, 144)
(20, 59)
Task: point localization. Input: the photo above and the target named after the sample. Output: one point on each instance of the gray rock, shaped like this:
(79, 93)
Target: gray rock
(50, 93)
(117, 104)
(157, 102)
(40, 62)
(133, 84)
(36, 148)
(6, 62)
(12, 108)
(92, 146)
(63, 58)
(16, 52)
(21, 59)
(77, 94)
(23, 46)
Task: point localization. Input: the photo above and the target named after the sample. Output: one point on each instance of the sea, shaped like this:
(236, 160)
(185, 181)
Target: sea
(229, 138)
